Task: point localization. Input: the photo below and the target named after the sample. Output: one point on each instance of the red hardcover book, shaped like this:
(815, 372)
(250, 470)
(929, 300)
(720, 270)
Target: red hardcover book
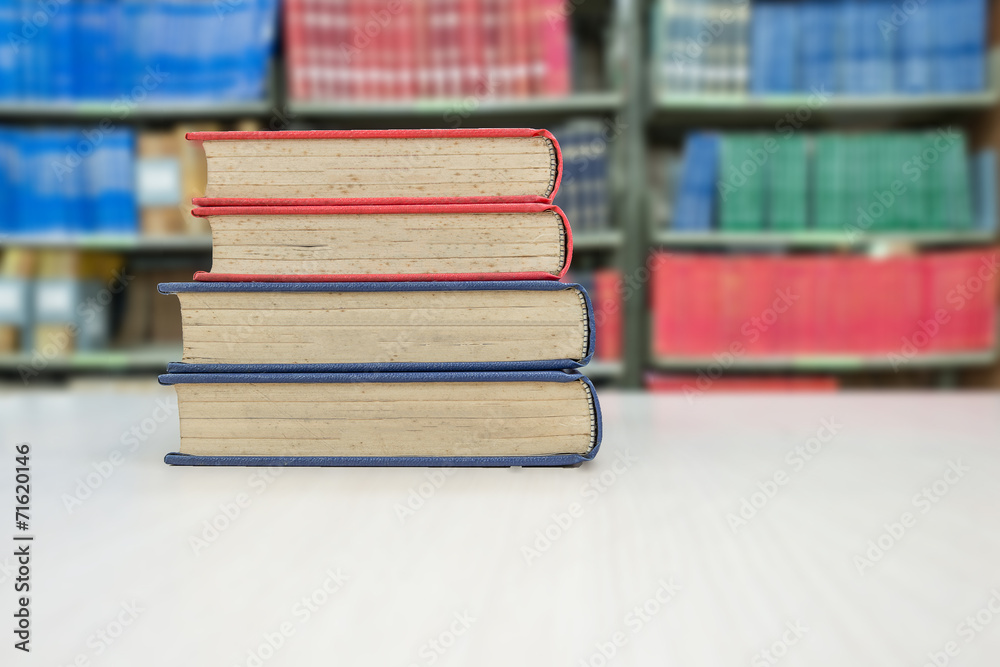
(521, 36)
(554, 167)
(298, 38)
(608, 306)
(671, 321)
(406, 56)
(249, 223)
(473, 46)
(553, 75)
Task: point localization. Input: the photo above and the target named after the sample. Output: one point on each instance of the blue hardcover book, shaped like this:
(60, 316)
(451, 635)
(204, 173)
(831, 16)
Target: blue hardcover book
(369, 327)
(8, 204)
(10, 24)
(818, 45)
(694, 210)
(110, 175)
(851, 53)
(945, 17)
(984, 170)
(490, 419)
(877, 48)
(774, 47)
(912, 45)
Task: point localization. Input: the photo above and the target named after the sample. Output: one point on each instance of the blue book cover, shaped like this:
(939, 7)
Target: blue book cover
(587, 315)
(851, 52)
(696, 190)
(278, 427)
(10, 24)
(912, 48)
(818, 20)
(877, 48)
(984, 171)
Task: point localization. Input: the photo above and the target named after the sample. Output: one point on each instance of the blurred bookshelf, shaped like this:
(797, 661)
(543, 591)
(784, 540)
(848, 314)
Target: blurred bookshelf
(609, 94)
(833, 363)
(819, 239)
(463, 108)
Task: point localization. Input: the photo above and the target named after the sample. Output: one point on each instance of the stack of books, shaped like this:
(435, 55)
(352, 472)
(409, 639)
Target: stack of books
(353, 50)
(126, 53)
(833, 182)
(384, 298)
(764, 305)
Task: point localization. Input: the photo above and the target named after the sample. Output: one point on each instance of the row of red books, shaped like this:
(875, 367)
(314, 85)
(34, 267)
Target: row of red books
(762, 305)
(368, 49)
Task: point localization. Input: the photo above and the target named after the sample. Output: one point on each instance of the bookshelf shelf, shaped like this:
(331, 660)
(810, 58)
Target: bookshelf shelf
(122, 243)
(819, 239)
(118, 113)
(462, 108)
(603, 370)
(605, 240)
(150, 358)
(833, 363)
(742, 109)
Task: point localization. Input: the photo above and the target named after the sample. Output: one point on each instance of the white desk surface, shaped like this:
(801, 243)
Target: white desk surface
(661, 518)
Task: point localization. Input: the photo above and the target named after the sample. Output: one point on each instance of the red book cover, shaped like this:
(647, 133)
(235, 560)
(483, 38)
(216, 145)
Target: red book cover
(732, 300)
(700, 293)
(520, 10)
(382, 210)
(757, 324)
(406, 56)
(608, 305)
(298, 40)
(670, 317)
(554, 79)
(472, 50)
(458, 133)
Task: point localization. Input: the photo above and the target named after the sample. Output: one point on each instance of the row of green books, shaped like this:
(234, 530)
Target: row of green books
(872, 182)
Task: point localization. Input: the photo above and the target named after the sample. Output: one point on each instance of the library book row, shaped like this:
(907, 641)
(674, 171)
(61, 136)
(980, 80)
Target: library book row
(852, 47)
(832, 182)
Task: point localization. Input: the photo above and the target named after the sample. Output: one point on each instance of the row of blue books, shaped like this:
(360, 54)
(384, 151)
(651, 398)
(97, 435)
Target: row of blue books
(132, 51)
(67, 181)
(583, 193)
(866, 47)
